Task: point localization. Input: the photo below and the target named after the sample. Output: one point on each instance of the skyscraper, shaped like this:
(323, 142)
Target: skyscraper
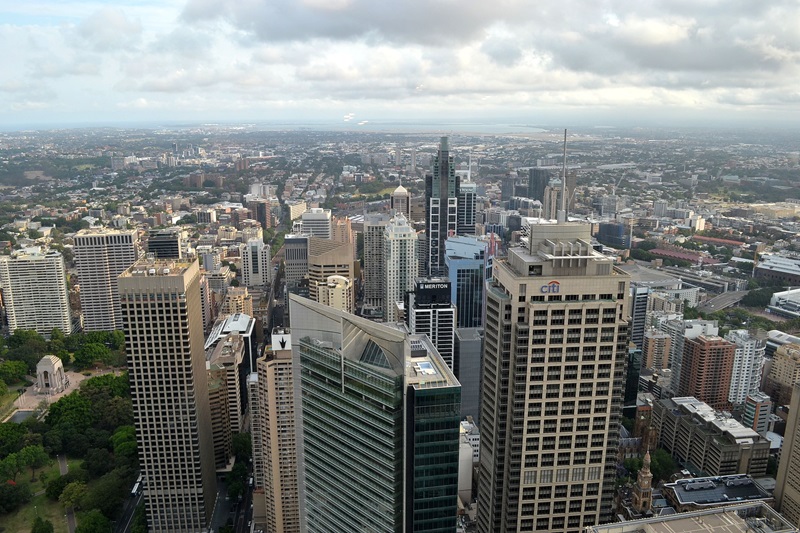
(34, 289)
(706, 370)
(441, 207)
(336, 291)
(256, 265)
(787, 487)
(679, 331)
(784, 373)
(317, 222)
(329, 258)
(467, 199)
(747, 365)
(467, 267)
(538, 178)
(430, 312)
(275, 443)
(295, 249)
(160, 303)
(555, 349)
(101, 255)
(380, 425)
(401, 201)
(165, 243)
(400, 256)
(374, 274)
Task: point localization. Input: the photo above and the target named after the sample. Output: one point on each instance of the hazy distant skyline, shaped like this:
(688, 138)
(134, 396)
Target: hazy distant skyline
(572, 61)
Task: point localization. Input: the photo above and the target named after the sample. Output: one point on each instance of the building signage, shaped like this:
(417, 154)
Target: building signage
(550, 288)
(281, 342)
(435, 286)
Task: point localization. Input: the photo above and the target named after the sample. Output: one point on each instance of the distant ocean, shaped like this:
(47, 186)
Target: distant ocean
(409, 126)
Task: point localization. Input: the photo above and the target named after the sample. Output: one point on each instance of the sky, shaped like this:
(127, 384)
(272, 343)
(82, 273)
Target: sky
(365, 62)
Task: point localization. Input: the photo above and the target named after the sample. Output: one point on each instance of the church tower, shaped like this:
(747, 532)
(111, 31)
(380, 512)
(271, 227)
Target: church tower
(643, 490)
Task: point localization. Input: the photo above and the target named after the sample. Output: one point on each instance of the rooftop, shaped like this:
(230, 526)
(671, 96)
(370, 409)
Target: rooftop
(423, 370)
(757, 517)
(236, 323)
(148, 267)
(716, 490)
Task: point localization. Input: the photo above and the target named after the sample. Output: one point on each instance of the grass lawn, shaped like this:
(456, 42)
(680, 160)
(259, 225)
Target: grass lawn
(22, 520)
(7, 403)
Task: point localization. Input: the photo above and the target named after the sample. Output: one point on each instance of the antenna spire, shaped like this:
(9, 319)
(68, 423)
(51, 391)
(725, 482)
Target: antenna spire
(562, 213)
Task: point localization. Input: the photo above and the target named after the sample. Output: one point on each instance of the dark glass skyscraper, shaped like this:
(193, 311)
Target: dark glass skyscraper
(441, 207)
(467, 269)
(380, 425)
(538, 178)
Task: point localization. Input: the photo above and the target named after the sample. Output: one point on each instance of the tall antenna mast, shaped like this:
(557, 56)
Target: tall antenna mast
(562, 213)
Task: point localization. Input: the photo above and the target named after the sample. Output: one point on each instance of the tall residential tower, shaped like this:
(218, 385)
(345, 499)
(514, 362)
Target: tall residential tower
(101, 255)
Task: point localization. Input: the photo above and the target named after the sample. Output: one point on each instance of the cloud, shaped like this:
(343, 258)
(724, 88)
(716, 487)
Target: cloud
(437, 22)
(416, 56)
(109, 29)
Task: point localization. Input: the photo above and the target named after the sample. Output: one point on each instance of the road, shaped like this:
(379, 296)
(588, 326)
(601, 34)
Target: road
(723, 301)
(63, 467)
(129, 509)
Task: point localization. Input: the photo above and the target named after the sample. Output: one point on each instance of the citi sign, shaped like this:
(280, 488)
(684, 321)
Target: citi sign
(550, 288)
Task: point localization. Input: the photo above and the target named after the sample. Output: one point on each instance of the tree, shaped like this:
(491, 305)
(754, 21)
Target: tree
(56, 485)
(13, 371)
(662, 465)
(632, 465)
(108, 492)
(90, 353)
(242, 447)
(93, 522)
(3, 388)
(33, 457)
(11, 466)
(73, 410)
(98, 461)
(11, 435)
(22, 337)
(72, 494)
(41, 525)
(13, 495)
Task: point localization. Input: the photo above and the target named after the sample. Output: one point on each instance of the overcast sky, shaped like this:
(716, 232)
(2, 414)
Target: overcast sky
(541, 62)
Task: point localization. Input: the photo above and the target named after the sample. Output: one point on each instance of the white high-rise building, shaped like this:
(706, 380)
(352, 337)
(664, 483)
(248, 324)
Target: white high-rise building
(256, 266)
(317, 222)
(101, 255)
(34, 289)
(748, 363)
(400, 255)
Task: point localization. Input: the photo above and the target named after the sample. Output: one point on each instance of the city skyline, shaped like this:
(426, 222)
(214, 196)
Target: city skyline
(358, 65)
